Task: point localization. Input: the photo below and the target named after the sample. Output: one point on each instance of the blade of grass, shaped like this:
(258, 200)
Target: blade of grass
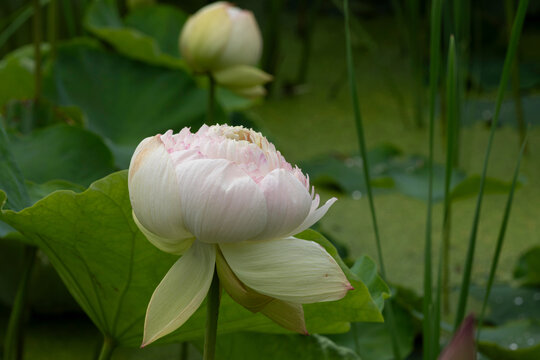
(363, 152)
(451, 143)
(518, 105)
(510, 54)
(434, 69)
(500, 239)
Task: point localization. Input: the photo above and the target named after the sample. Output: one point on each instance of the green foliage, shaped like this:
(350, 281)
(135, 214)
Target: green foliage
(62, 152)
(518, 340)
(16, 76)
(111, 269)
(149, 34)
(508, 303)
(247, 346)
(11, 179)
(371, 341)
(527, 270)
(123, 100)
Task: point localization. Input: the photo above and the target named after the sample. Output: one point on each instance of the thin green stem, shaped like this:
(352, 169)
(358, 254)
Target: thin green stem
(434, 68)
(510, 55)
(211, 100)
(451, 144)
(212, 313)
(69, 16)
(363, 152)
(37, 49)
(445, 258)
(500, 239)
(14, 337)
(107, 348)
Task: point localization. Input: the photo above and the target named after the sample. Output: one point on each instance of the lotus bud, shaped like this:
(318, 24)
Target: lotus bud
(462, 346)
(225, 41)
(224, 198)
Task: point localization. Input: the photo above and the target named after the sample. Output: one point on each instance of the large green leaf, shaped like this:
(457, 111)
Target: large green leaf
(247, 346)
(527, 270)
(17, 76)
(149, 34)
(11, 178)
(124, 100)
(111, 269)
(518, 340)
(62, 152)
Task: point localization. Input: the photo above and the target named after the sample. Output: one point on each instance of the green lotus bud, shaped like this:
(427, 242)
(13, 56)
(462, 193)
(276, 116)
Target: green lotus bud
(219, 36)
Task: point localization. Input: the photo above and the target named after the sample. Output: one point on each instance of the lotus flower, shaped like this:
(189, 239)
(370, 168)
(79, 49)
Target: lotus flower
(225, 41)
(225, 196)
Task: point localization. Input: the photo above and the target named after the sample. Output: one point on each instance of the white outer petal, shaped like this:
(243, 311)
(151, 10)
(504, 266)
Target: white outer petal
(288, 203)
(180, 293)
(314, 215)
(154, 192)
(177, 247)
(244, 46)
(205, 35)
(289, 269)
(220, 202)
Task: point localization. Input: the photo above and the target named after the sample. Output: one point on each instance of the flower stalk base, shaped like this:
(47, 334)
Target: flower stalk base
(212, 319)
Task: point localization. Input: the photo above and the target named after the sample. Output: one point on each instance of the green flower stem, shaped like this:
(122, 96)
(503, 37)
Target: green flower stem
(107, 348)
(13, 339)
(212, 314)
(211, 100)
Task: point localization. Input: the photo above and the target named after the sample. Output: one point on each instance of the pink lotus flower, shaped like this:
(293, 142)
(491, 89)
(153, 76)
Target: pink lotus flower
(225, 195)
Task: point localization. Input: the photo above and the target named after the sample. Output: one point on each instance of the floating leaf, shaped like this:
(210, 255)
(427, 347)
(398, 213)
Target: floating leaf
(519, 340)
(345, 172)
(507, 303)
(527, 270)
(470, 186)
(412, 177)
